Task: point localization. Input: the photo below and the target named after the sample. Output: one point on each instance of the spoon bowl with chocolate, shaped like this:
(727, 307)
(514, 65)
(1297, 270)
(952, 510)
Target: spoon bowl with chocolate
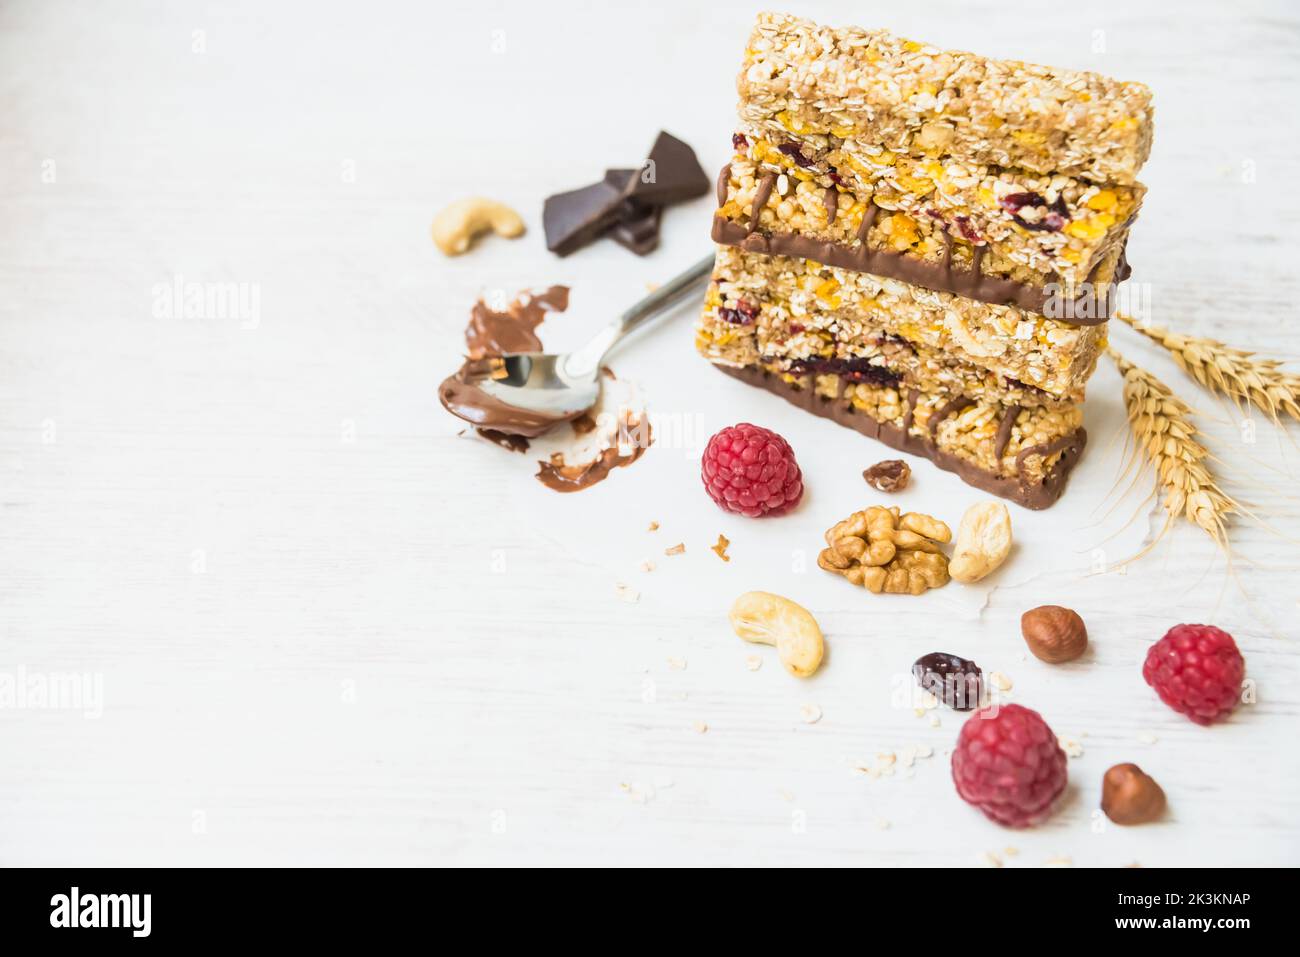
(527, 393)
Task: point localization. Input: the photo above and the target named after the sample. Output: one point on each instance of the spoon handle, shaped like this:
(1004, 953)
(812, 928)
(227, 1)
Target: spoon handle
(589, 357)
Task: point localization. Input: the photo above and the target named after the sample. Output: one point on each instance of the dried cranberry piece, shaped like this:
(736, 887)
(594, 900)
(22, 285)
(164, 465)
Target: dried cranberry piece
(742, 315)
(1053, 221)
(738, 141)
(967, 230)
(858, 369)
(795, 328)
(836, 178)
(792, 150)
(955, 681)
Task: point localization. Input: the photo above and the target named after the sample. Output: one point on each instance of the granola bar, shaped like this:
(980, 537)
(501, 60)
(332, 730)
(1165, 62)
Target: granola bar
(1023, 454)
(1027, 350)
(1004, 236)
(876, 89)
(767, 333)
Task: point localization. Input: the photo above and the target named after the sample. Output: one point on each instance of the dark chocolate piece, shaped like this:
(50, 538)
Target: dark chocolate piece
(843, 412)
(670, 174)
(574, 219)
(1085, 310)
(637, 228)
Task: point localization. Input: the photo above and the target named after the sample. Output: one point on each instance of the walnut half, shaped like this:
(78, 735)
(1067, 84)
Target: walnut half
(886, 552)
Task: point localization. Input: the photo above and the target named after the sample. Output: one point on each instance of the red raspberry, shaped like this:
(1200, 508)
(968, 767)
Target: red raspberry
(1009, 765)
(1197, 671)
(751, 470)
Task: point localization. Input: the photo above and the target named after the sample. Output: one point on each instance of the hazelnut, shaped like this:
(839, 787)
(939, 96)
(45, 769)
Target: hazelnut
(1131, 796)
(1054, 634)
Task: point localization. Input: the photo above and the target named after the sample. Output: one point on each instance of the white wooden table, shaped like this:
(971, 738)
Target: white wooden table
(324, 628)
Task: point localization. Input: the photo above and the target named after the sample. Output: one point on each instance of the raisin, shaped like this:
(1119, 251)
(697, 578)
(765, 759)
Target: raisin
(738, 141)
(792, 150)
(956, 682)
(890, 475)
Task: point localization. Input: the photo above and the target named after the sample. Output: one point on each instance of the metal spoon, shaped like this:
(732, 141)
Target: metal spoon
(564, 385)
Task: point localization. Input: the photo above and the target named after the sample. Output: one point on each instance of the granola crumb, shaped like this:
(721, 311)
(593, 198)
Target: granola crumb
(1059, 862)
(677, 549)
(882, 824)
(700, 727)
(627, 593)
(677, 664)
(1071, 747)
(647, 566)
(1147, 737)
(653, 527)
(1000, 681)
(810, 714)
(720, 549)
(753, 662)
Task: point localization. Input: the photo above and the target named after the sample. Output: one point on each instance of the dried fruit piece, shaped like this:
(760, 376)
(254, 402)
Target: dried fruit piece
(1197, 671)
(768, 619)
(1009, 765)
(1131, 796)
(890, 475)
(983, 542)
(1054, 634)
(957, 682)
(885, 552)
(720, 547)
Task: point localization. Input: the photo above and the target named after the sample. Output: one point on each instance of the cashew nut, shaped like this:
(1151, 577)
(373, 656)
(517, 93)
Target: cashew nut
(459, 224)
(983, 541)
(768, 619)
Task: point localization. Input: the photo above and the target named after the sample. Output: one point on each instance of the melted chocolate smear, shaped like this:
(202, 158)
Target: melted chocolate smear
(514, 443)
(492, 333)
(489, 334)
(559, 477)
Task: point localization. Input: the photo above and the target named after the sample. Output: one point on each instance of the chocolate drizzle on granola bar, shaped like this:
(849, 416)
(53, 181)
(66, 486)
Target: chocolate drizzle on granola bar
(724, 180)
(765, 187)
(831, 200)
(1005, 426)
(949, 408)
(913, 396)
(1020, 489)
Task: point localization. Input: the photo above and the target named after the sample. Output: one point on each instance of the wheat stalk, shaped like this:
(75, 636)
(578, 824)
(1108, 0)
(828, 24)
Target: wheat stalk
(1162, 427)
(1242, 376)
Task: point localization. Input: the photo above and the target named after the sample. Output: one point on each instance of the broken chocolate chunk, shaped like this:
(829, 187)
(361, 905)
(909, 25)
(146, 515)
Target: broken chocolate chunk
(670, 174)
(574, 219)
(890, 475)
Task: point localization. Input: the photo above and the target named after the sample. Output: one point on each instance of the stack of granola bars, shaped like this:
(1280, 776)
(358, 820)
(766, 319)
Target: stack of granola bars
(923, 244)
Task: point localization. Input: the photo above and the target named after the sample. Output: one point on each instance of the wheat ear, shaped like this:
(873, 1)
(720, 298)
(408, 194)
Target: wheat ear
(1240, 375)
(1162, 427)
